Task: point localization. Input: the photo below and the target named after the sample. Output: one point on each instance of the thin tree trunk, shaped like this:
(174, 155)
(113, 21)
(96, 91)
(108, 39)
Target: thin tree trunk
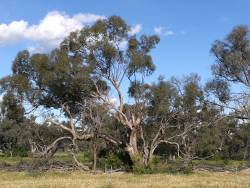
(246, 151)
(94, 157)
(147, 156)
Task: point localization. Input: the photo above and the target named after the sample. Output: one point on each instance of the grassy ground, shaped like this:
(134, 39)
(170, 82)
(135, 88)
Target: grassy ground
(76, 179)
(62, 157)
(229, 163)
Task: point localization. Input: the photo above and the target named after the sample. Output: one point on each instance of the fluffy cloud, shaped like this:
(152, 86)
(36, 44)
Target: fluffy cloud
(135, 29)
(48, 33)
(163, 31)
(13, 31)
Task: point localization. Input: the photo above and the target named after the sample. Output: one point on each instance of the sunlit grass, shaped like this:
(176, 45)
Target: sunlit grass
(76, 179)
(60, 156)
(229, 163)
(14, 160)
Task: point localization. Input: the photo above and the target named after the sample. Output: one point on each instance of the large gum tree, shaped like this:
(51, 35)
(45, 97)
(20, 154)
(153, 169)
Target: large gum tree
(101, 63)
(121, 61)
(233, 66)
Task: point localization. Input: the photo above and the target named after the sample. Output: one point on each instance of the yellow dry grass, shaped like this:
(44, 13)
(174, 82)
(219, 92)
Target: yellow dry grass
(55, 179)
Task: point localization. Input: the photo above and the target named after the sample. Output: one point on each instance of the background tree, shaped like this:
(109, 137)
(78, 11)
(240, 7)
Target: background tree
(233, 64)
(14, 126)
(54, 81)
(194, 116)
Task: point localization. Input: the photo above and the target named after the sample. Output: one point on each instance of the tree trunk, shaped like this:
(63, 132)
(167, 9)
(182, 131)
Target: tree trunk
(245, 156)
(94, 157)
(43, 159)
(147, 155)
(187, 164)
(133, 141)
(132, 149)
(143, 159)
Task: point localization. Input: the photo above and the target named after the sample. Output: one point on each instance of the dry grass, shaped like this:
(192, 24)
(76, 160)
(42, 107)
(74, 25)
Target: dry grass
(55, 179)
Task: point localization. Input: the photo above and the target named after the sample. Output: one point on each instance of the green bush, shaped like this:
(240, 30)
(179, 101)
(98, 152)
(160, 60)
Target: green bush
(139, 169)
(113, 160)
(21, 152)
(157, 160)
(187, 170)
(110, 160)
(116, 159)
(226, 161)
(217, 157)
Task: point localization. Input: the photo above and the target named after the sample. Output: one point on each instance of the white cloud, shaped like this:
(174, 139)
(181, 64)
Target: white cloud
(158, 29)
(13, 31)
(48, 33)
(169, 33)
(135, 29)
(163, 31)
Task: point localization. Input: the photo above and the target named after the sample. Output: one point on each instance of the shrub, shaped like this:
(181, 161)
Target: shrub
(113, 160)
(21, 152)
(116, 159)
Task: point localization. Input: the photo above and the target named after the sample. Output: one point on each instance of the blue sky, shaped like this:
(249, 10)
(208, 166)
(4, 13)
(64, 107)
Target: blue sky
(187, 28)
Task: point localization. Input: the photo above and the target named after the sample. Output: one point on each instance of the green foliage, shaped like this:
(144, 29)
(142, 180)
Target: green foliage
(12, 108)
(187, 170)
(232, 56)
(116, 158)
(219, 88)
(156, 160)
(113, 160)
(12, 126)
(140, 169)
(16, 129)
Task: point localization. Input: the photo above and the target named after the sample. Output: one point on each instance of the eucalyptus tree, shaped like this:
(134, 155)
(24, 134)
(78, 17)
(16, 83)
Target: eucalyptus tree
(12, 114)
(194, 114)
(121, 61)
(98, 63)
(53, 81)
(158, 126)
(233, 56)
(233, 65)
(15, 128)
(179, 113)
